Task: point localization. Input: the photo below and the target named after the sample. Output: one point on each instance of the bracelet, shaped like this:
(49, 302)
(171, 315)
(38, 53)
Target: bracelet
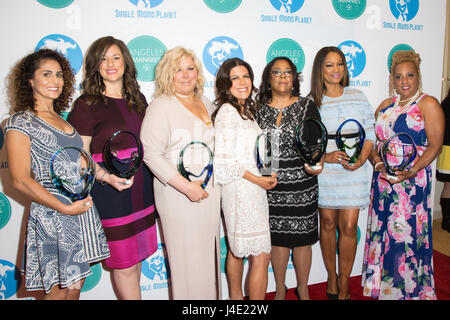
(374, 159)
(413, 171)
(100, 179)
(376, 165)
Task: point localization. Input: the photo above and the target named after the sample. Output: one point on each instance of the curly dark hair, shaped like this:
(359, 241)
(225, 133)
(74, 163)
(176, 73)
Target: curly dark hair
(93, 85)
(19, 87)
(264, 95)
(223, 85)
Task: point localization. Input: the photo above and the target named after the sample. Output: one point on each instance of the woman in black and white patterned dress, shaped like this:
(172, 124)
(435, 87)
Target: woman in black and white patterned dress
(293, 211)
(63, 238)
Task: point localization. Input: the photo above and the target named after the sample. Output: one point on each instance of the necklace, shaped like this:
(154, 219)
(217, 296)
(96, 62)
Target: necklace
(183, 96)
(397, 110)
(208, 123)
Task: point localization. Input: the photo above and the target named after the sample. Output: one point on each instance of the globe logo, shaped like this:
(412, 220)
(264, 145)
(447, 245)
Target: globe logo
(93, 279)
(146, 52)
(5, 210)
(404, 10)
(55, 4)
(287, 48)
(146, 3)
(9, 279)
(349, 9)
(287, 6)
(222, 6)
(64, 45)
(155, 267)
(355, 57)
(399, 47)
(219, 49)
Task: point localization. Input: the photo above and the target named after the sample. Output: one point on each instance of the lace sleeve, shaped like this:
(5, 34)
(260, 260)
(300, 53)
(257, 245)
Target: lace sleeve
(226, 166)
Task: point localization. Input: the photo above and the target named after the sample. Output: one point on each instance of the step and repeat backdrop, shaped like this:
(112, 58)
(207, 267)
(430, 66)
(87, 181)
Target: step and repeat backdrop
(367, 31)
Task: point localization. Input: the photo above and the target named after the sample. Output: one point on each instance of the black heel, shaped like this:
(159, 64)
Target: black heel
(333, 296)
(297, 294)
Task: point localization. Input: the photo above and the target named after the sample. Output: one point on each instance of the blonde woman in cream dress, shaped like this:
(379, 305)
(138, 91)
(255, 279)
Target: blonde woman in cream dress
(190, 216)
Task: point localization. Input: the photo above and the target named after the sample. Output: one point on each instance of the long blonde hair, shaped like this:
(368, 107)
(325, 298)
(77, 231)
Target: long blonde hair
(166, 68)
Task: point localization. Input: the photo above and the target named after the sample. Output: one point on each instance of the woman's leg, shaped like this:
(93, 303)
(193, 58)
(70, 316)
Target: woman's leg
(234, 272)
(279, 257)
(348, 229)
(302, 262)
(328, 224)
(126, 282)
(258, 276)
(72, 292)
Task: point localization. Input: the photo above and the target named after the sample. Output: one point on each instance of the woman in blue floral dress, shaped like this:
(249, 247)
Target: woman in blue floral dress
(398, 254)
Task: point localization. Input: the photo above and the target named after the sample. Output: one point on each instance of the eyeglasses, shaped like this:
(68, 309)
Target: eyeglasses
(278, 73)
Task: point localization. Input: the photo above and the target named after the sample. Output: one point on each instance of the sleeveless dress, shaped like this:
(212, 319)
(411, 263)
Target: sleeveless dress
(128, 216)
(244, 204)
(398, 253)
(59, 247)
(293, 211)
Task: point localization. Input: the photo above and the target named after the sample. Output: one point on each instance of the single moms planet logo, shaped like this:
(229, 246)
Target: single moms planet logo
(55, 4)
(157, 270)
(287, 6)
(404, 10)
(349, 9)
(222, 6)
(287, 48)
(146, 3)
(399, 47)
(65, 45)
(9, 279)
(355, 57)
(219, 49)
(146, 52)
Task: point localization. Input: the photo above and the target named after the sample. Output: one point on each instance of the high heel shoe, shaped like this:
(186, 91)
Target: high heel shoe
(297, 294)
(333, 296)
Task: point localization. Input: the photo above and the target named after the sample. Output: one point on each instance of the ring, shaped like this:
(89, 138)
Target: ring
(339, 160)
(87, 204)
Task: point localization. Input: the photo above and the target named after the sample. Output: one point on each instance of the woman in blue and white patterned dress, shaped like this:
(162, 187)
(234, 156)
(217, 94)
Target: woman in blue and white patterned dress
(63, 238)
(343, 188)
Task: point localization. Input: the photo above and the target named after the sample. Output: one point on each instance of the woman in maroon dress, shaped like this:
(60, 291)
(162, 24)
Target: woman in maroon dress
(111, 101)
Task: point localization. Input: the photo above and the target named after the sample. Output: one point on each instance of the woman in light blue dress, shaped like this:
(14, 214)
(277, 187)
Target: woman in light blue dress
(344, 188)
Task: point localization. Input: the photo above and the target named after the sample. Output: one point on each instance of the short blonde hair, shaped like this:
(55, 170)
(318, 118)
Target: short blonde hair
(166, 68)
(400, 57)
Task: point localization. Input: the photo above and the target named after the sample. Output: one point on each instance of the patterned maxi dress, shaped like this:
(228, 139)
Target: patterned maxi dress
(398, 254)
(59, 247)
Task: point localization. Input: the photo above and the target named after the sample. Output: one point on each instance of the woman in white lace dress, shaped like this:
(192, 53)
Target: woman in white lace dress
(244, 199)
